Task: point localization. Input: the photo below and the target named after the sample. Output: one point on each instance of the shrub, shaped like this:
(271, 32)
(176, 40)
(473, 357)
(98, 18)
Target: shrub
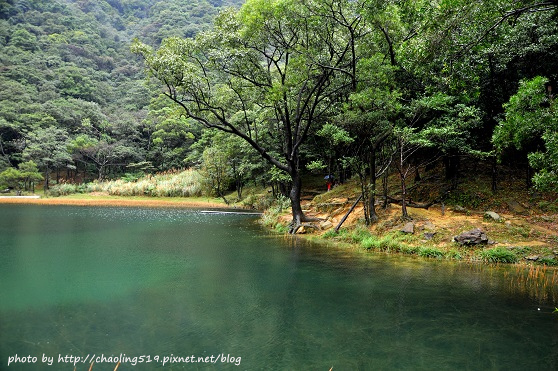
(62, 189)
(498, 255)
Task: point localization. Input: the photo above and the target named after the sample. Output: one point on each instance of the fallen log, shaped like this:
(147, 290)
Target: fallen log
(392, 200)
(347, 215)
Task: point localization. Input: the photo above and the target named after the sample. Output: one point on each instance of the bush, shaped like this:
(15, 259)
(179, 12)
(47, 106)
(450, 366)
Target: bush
(498, 255)
(63, 189)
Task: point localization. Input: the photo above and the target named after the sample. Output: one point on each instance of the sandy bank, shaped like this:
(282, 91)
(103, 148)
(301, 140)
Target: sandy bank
(116, 201)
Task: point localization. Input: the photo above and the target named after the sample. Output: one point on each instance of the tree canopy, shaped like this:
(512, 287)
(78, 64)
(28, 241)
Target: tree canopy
(343, 87)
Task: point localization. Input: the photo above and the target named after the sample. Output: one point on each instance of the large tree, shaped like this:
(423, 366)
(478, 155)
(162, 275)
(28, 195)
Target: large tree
(269, 74)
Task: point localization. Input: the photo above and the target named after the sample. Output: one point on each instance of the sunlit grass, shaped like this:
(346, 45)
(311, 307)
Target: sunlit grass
(183, 183)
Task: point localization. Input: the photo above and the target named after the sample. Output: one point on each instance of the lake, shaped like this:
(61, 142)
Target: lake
(152, 285)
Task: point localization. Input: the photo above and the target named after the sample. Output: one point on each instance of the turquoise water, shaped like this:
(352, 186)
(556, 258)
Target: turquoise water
(168, 282)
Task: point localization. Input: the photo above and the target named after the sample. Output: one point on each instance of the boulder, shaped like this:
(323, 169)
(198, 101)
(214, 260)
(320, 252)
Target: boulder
(429, 226)
(301, 230)
(459, 209)
(326, 224)
(516, 208)
(492, 215)
(408, 228)
(473, 237)
(429, 235)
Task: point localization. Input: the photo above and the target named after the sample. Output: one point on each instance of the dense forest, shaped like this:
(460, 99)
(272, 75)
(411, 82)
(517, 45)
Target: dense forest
(73, 97)
(272, 90)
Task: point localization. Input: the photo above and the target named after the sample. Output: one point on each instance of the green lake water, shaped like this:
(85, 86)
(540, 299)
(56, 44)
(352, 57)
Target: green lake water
(170, 282)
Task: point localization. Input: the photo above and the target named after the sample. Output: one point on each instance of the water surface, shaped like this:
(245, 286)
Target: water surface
(136, 281)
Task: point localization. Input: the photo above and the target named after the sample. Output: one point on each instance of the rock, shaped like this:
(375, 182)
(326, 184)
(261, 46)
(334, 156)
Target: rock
(429, 235)
(492, 215)
(516, 208)
(532, 257)
(474, 237)
(459, 209)
(301, 230)
(408, 228)
(508, 223)
(429, 226)
(326, 224)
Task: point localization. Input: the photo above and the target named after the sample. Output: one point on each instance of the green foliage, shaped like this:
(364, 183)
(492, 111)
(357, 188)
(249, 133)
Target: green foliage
(454, 254)
(430, 252)
(11, 178)
(26, 174)
(386, 243)
(548, 261)
(498, 255)
(531, 115)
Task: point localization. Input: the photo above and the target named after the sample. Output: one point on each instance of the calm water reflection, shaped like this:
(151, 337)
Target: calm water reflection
(84, 280)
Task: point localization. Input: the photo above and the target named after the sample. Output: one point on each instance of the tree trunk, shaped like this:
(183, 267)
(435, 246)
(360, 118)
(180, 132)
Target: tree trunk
(404, 213)
(294, 195)
(372, 199)
(494, 175)
(47, 175)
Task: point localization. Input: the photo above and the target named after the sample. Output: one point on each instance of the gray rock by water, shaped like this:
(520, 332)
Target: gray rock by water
(492, 215)
(473, 237)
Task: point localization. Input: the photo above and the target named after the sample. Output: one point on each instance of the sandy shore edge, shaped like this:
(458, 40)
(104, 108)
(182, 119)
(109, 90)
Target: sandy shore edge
(120, 201)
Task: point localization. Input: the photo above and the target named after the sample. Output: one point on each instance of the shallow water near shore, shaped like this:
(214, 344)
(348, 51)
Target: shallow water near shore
(174, 282)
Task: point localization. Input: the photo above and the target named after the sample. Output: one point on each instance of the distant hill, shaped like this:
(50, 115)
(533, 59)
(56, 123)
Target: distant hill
(66, 64)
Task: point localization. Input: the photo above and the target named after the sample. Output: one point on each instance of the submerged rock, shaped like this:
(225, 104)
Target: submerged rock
(473, 237)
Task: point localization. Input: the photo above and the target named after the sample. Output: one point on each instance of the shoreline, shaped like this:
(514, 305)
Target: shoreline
(120, 201)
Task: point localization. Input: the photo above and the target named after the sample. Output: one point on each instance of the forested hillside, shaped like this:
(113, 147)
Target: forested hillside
(73, 99)
(278, 89)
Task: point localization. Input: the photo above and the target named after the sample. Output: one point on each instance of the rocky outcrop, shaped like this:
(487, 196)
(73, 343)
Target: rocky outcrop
(473, 237)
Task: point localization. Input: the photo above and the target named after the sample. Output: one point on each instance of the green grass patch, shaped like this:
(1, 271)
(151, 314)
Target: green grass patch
(454, 254)
(386, 243)
(430, 252)
(498, 255)
(548, 261)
